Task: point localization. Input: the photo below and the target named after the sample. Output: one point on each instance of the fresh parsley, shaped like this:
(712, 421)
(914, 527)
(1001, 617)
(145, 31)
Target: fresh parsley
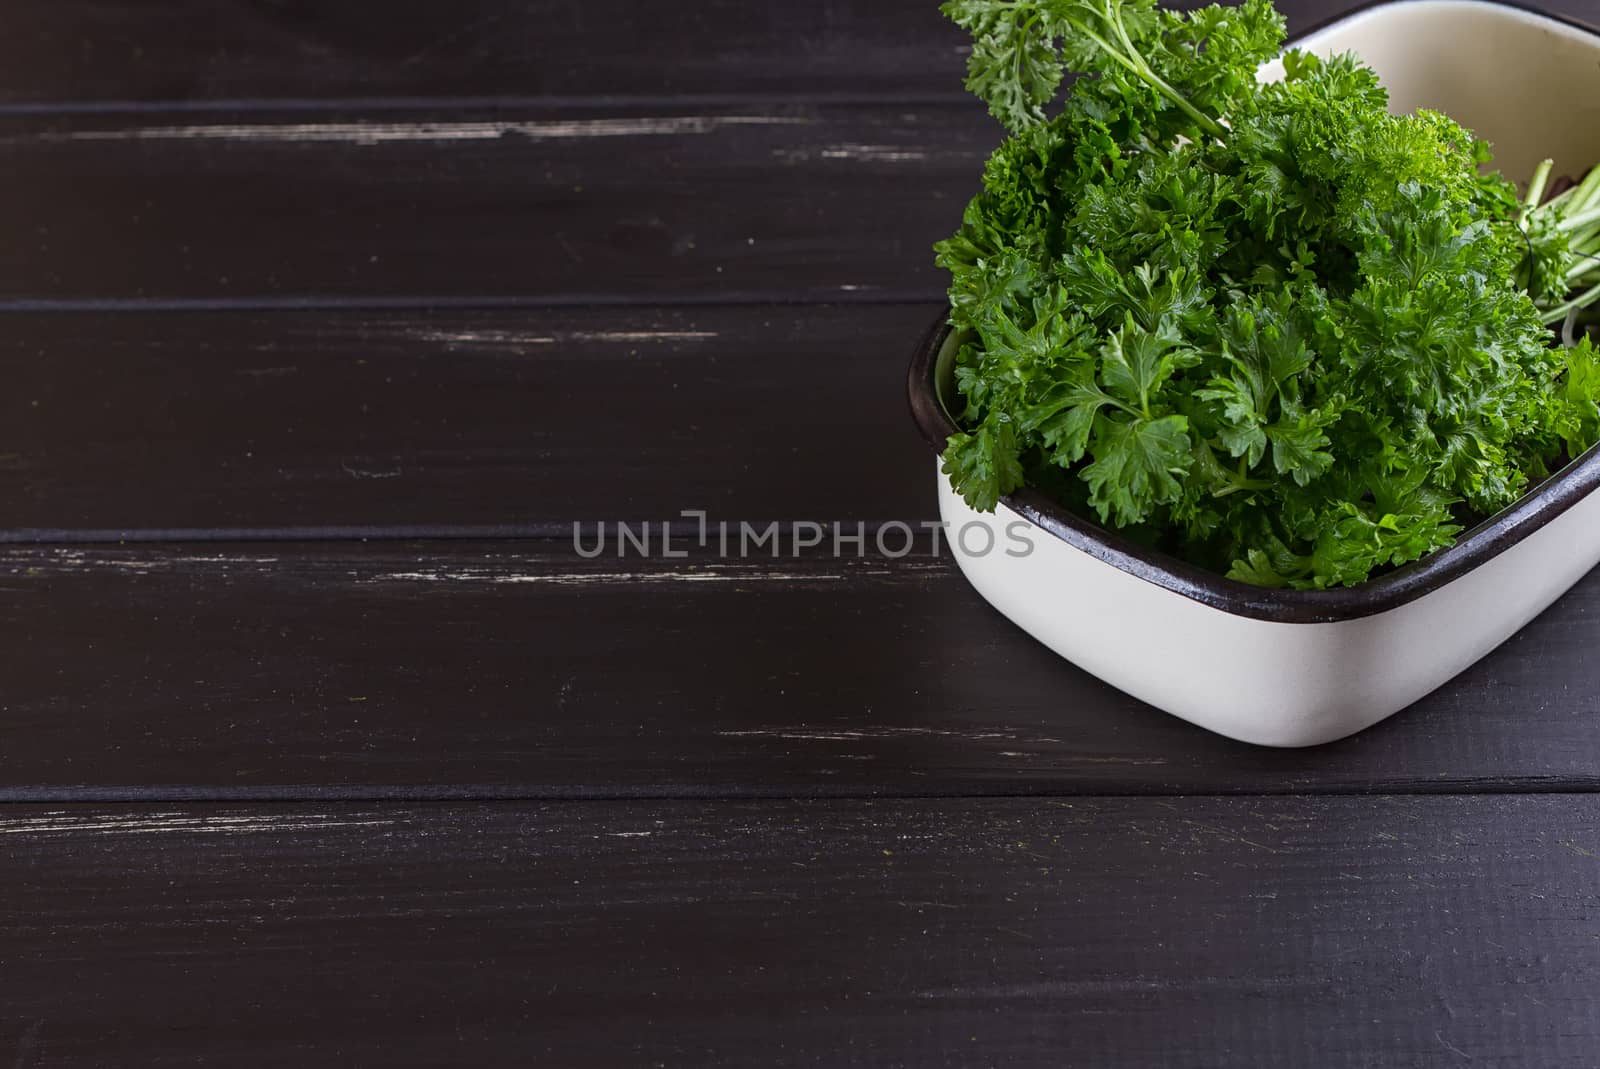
(1269, 327)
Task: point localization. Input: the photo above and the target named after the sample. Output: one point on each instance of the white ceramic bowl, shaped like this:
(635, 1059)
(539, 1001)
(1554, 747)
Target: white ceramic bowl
(1297, 668)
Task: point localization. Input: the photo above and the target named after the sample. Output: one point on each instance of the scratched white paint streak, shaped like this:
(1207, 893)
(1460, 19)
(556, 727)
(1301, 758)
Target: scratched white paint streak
(512, 337)
(77, 559)
(155, 823)
(852, 151)
(871, 153)
(598, 578)
(869, 733)
(378, 133)
(856, 735)
(71, 560)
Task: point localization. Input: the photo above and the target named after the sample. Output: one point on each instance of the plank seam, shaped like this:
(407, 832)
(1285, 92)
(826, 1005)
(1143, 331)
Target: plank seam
(425, 302)
(559, 531)
(667, 793)
(587, 102)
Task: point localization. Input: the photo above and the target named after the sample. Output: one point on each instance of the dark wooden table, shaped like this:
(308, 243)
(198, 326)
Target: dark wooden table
(324, 323)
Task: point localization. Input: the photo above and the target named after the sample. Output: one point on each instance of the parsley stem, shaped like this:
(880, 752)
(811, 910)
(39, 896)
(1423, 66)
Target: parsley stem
(1536, 186)
(1026, 29)
(1584, 218)
(1586, 254)
(1240, 483)
(1583, 194)
(1204, 121)
(1136, 63)
(1557, 201)
(1207, 123)
(1582, 300)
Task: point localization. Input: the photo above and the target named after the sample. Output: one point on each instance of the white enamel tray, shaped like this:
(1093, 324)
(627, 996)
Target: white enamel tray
(1297, 668)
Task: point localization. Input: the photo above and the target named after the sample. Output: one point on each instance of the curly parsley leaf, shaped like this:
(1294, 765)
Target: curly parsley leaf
(1013, 67)
(1136, 465)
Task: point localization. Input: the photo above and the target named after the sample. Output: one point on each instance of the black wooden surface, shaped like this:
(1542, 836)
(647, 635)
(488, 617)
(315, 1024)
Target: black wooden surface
(321, 325)
(1189, 932)
(533, 205)
(194, 52)
(519, 669)
(422, 418)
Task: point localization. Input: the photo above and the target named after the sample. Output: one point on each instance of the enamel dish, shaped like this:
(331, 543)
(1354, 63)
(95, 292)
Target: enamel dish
(1297, 668)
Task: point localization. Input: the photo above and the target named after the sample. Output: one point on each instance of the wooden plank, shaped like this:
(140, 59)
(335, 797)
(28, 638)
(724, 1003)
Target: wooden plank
(509, 204)
(74, 51)
(522, 419)
(517, 202)
(1119, 932)
(191, 50)
(524, 670)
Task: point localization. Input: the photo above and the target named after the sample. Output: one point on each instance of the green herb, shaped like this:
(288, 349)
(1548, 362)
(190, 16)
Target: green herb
(1268, 327)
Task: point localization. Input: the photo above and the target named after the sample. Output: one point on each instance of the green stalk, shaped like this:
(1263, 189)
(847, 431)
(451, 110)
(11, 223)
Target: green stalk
(1204, 121)
(1584, 218)
(1558, 200)
(1207, 123)
(1536, 186)
(1584, 193)
(1582, 300)
(1578, 212)
(1134, 60)
(1584, 248)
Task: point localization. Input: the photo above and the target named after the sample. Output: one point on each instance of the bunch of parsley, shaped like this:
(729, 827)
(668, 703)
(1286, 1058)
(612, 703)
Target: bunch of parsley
(1269, 328)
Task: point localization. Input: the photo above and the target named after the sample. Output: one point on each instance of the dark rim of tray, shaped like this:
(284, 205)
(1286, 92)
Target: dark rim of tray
(1537, 508)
